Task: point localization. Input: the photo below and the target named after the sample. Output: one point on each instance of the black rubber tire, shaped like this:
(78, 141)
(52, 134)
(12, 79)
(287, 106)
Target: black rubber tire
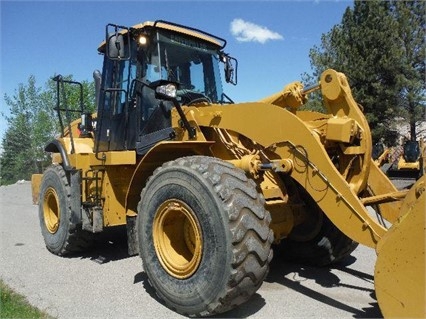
(236, 238)
(323, 243)
(67, 237)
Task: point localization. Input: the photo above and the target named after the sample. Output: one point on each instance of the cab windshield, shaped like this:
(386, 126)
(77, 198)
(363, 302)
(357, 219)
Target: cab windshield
(193, 64)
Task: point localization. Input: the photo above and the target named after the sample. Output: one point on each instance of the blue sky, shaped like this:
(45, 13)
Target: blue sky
(270, 39)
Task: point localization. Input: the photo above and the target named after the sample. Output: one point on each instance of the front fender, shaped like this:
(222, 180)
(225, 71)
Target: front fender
(161, 153)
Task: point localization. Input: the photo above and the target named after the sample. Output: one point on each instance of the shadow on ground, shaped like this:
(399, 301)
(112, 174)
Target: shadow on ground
(325, 278)
(112, 245)
(278, 271)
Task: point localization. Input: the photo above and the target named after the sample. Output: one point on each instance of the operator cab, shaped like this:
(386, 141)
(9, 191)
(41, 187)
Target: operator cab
(411, 151)
(136, 60)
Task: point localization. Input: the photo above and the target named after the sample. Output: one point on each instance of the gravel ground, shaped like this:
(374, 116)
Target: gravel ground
(107, 283)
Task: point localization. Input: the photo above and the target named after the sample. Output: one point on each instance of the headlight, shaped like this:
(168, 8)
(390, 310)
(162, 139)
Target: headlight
(167, 90)
(143, 40)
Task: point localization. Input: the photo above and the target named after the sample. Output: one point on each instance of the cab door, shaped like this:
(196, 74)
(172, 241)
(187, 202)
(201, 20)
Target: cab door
(114, 110)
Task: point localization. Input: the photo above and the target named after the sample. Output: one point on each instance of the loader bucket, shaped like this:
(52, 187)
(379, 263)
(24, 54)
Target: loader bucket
(400, 267)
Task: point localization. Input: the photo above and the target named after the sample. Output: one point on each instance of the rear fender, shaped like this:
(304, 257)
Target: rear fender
(74, 178)
(56, 146)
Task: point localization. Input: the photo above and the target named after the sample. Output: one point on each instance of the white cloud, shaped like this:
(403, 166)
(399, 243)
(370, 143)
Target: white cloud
(245, 31)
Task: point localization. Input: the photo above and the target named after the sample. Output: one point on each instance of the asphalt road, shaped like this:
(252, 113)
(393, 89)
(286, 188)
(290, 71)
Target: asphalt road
(106, 283)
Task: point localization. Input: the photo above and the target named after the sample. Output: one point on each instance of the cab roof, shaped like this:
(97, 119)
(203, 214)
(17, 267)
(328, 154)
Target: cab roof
(165, 25)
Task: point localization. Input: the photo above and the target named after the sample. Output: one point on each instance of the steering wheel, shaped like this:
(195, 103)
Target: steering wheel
(191, 97)
(200, 99)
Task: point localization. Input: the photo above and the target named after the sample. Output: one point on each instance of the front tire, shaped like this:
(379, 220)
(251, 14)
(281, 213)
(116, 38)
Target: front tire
(317, 241)
(204, 235)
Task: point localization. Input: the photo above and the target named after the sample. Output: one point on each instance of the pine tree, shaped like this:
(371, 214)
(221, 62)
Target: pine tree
(410, 16)
(379, 46)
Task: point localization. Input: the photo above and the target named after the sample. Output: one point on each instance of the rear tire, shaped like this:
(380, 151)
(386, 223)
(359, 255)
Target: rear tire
(61, 236)
(204, 235)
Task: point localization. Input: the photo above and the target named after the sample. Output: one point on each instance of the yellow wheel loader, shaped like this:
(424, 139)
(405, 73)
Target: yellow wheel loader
(207, 187)
(411, 161)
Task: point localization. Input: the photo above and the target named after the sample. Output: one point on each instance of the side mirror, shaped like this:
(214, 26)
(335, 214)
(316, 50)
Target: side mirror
(116, 42)
(230, 68)
(115, 48)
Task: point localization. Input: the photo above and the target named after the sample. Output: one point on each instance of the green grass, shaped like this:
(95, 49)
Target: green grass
(13, 305)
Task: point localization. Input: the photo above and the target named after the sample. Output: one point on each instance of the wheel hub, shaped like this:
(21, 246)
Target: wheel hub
(177, 239)
(51, 210)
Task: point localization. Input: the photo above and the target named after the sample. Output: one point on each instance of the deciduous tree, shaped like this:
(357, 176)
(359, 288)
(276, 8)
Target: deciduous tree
(32, 123)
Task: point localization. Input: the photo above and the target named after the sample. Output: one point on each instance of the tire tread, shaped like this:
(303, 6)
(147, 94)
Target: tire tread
(248, 223)
(76, 240)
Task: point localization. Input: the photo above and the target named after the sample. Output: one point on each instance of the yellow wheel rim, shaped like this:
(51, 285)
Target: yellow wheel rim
(177, 239)
(51, 210)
